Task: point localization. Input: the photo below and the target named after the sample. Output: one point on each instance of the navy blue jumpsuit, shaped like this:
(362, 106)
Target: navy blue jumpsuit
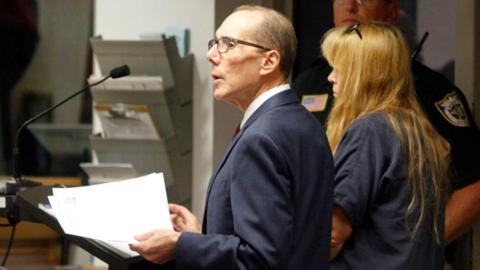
(371, 186)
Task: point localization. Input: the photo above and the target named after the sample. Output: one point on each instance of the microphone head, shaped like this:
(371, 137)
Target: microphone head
(119, 72)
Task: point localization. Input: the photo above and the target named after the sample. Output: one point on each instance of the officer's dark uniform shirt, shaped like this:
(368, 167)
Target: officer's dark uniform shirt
(444, 104)
(371, 171)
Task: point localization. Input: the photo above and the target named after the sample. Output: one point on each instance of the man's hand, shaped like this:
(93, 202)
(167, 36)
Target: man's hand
(157, 246)
(183, 220)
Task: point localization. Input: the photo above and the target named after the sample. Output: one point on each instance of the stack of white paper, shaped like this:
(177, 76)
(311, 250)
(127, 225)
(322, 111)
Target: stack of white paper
(113, 212)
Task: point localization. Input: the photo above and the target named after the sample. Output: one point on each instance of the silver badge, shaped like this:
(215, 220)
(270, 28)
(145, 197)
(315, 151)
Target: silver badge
(453, 110)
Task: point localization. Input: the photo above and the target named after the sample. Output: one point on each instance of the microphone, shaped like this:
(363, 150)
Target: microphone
(119, 72)
(11, 187)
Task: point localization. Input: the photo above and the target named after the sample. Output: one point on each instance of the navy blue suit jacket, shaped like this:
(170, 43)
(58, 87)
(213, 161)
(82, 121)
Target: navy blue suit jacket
(269, 202)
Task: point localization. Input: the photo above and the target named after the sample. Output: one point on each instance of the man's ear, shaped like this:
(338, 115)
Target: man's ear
(270, 62)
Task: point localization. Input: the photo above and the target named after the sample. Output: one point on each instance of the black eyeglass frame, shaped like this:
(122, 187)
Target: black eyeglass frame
(354, 28)
(359, 2)
(234, 41)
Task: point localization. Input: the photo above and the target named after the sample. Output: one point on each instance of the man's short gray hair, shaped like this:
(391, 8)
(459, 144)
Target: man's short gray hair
(275, 31)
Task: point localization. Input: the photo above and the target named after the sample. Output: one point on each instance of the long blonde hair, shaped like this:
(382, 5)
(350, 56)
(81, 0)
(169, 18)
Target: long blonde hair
(373, 64)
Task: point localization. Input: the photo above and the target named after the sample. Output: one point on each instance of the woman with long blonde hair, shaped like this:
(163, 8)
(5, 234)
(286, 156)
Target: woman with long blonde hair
(390, 163)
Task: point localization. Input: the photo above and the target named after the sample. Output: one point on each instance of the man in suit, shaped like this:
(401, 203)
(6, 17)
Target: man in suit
(269, 202)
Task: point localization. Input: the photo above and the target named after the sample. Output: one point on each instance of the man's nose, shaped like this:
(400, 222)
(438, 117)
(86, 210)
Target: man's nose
(212, 54)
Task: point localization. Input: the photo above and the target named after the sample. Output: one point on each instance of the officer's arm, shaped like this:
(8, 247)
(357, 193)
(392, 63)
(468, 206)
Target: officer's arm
(341, 231)
(463, 209)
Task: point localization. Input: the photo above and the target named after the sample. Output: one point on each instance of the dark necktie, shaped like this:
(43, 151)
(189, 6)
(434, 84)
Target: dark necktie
(237, 129)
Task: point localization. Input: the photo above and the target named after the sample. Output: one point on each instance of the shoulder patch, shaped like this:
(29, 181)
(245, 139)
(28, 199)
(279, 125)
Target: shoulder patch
(315, 103)
(453, 110)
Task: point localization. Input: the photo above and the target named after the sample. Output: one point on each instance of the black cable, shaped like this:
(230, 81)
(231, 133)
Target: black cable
(10, 243)
(5, 225)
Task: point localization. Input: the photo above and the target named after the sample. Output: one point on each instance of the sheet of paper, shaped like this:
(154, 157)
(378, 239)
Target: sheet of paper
(120, 247)
(113, 211)
(124, 121)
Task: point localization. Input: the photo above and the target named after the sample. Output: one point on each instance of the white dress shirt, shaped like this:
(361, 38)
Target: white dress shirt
(261, 99)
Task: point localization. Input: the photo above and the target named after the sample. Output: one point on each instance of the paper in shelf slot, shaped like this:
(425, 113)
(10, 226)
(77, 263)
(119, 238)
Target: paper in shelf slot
(133, 90)
(130, 90)
(146, 155)
(108, 172)
(125, 121)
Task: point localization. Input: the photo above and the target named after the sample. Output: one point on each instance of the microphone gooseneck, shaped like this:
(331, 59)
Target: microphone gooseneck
(117, 72)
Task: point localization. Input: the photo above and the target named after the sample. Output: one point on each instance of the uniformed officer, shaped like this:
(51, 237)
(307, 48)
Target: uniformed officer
(444, 104)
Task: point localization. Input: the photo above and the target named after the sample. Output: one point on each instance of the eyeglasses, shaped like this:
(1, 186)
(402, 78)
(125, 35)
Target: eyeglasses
(354, 28)
(359, 2)
(226, 43)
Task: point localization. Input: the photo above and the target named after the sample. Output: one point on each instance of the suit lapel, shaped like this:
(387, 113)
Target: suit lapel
(220, 164)
(214, 175)
(275, 101)
(280, 99)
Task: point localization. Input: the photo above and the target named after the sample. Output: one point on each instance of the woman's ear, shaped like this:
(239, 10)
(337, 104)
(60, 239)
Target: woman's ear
(270, 62)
